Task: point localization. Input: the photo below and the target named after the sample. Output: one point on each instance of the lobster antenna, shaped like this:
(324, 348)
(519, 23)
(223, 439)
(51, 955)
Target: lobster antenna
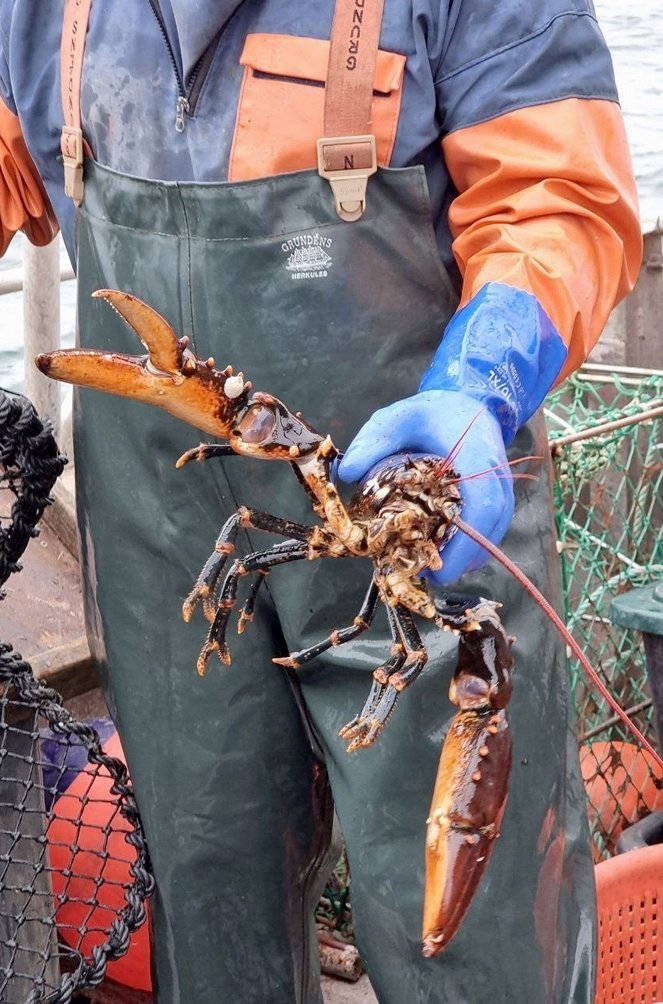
(500, 467)
(555, 619)
(447, 461)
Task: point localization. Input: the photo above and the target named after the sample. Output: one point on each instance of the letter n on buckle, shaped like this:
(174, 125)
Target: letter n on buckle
(348, 183)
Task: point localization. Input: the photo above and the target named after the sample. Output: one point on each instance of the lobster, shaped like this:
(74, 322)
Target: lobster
(400, 517)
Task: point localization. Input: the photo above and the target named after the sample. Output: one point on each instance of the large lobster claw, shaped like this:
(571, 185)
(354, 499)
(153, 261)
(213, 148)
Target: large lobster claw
(170, 376)
(473, 775)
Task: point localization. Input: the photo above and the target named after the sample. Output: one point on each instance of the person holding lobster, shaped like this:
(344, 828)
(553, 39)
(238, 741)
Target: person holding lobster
(409, 219)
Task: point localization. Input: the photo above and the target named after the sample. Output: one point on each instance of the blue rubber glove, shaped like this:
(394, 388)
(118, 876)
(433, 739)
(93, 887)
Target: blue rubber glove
(499, 357)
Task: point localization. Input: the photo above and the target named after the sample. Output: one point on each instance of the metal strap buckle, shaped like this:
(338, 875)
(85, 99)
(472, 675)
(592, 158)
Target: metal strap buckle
(348, 184)
(73, 166)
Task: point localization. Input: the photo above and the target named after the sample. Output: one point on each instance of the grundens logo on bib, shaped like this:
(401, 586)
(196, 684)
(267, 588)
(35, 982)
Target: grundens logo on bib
(308, 256)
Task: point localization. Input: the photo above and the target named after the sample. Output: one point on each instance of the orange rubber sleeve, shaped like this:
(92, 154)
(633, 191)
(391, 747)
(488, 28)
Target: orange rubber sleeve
(547, 203)
(24, 204)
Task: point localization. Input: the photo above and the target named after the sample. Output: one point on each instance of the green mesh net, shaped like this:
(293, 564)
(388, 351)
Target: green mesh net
(609, 515)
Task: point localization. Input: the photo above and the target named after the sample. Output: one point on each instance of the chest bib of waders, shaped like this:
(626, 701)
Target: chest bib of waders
(336, 319)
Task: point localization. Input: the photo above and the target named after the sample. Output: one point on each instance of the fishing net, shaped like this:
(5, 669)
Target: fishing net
(609, 515)
(74, 870)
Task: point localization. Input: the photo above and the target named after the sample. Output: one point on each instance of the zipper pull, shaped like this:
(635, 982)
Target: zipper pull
(182, 110)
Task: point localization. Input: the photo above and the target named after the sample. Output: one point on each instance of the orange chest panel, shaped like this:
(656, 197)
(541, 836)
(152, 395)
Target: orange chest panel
(280, 113)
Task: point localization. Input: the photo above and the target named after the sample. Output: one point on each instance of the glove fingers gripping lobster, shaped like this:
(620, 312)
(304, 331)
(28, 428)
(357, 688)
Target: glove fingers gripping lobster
(400, 518)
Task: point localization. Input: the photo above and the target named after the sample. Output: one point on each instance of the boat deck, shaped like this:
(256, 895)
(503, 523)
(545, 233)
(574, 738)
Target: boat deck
(43, 607)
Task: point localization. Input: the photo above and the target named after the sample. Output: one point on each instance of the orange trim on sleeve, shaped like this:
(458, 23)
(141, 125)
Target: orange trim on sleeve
(24, 204)
(548, 204)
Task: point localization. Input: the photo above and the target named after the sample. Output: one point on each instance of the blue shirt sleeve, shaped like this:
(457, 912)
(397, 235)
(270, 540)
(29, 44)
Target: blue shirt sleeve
(5, 86)
(499, 57)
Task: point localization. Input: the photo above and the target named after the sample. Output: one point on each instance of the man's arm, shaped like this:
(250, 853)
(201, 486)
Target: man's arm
(547, 204)
(546, 236)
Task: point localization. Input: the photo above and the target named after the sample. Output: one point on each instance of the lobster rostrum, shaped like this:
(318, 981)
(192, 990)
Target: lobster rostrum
(400, 518)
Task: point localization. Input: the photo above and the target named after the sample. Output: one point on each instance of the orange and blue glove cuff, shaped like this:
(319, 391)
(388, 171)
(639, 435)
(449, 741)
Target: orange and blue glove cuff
(501, 349)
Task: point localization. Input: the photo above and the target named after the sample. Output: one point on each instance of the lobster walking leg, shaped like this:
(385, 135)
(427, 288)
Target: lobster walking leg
(340, 636)
(354, 730)
(205, 451)
(246, 613)
(473, 776)
(259, 561)
(391, 678)
(244, 518)
(416, 655)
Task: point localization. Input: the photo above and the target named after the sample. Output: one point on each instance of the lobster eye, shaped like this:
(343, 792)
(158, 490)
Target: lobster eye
(257, 425)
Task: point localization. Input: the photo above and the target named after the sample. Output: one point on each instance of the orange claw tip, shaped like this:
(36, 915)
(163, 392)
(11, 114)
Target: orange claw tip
(286, 661)
(191, 602)
(433, 944)
(244, 619)
(192, 454)
(355, 745)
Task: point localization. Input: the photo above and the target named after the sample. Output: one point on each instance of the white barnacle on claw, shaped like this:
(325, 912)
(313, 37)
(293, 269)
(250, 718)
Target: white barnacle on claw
(234, 386)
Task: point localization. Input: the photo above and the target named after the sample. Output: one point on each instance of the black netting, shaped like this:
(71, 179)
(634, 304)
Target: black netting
(29, 467)
(74, 868)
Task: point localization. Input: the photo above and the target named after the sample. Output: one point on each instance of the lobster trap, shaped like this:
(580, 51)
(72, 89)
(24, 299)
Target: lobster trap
(606, 434)
(74, 869)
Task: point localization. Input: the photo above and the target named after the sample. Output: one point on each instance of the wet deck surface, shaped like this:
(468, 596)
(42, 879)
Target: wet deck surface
(43, 606)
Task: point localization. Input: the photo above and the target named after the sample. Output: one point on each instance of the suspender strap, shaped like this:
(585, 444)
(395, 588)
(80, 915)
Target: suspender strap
(347, 153)
(74, 31)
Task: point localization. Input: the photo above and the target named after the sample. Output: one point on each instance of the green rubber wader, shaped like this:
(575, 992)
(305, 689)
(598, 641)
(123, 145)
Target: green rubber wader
(337, 320)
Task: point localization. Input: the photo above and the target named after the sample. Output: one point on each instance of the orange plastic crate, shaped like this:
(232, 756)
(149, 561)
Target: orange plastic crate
(629, 890)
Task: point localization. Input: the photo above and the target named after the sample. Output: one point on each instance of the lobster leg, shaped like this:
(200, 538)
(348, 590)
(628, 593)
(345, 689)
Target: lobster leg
(407, 651)
(244, 518)
(259, 561)
(416, 655)
(211, 570)
(340, 636)
(246, 613)
(354, 730)
(205, 451)
(374, 716)
(473, 777)
(394, 676)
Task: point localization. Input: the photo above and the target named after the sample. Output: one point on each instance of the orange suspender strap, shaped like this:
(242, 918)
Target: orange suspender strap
(74, 31)
(346, 153)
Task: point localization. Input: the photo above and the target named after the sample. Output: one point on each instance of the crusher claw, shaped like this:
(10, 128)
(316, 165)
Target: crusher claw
(170, 376)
